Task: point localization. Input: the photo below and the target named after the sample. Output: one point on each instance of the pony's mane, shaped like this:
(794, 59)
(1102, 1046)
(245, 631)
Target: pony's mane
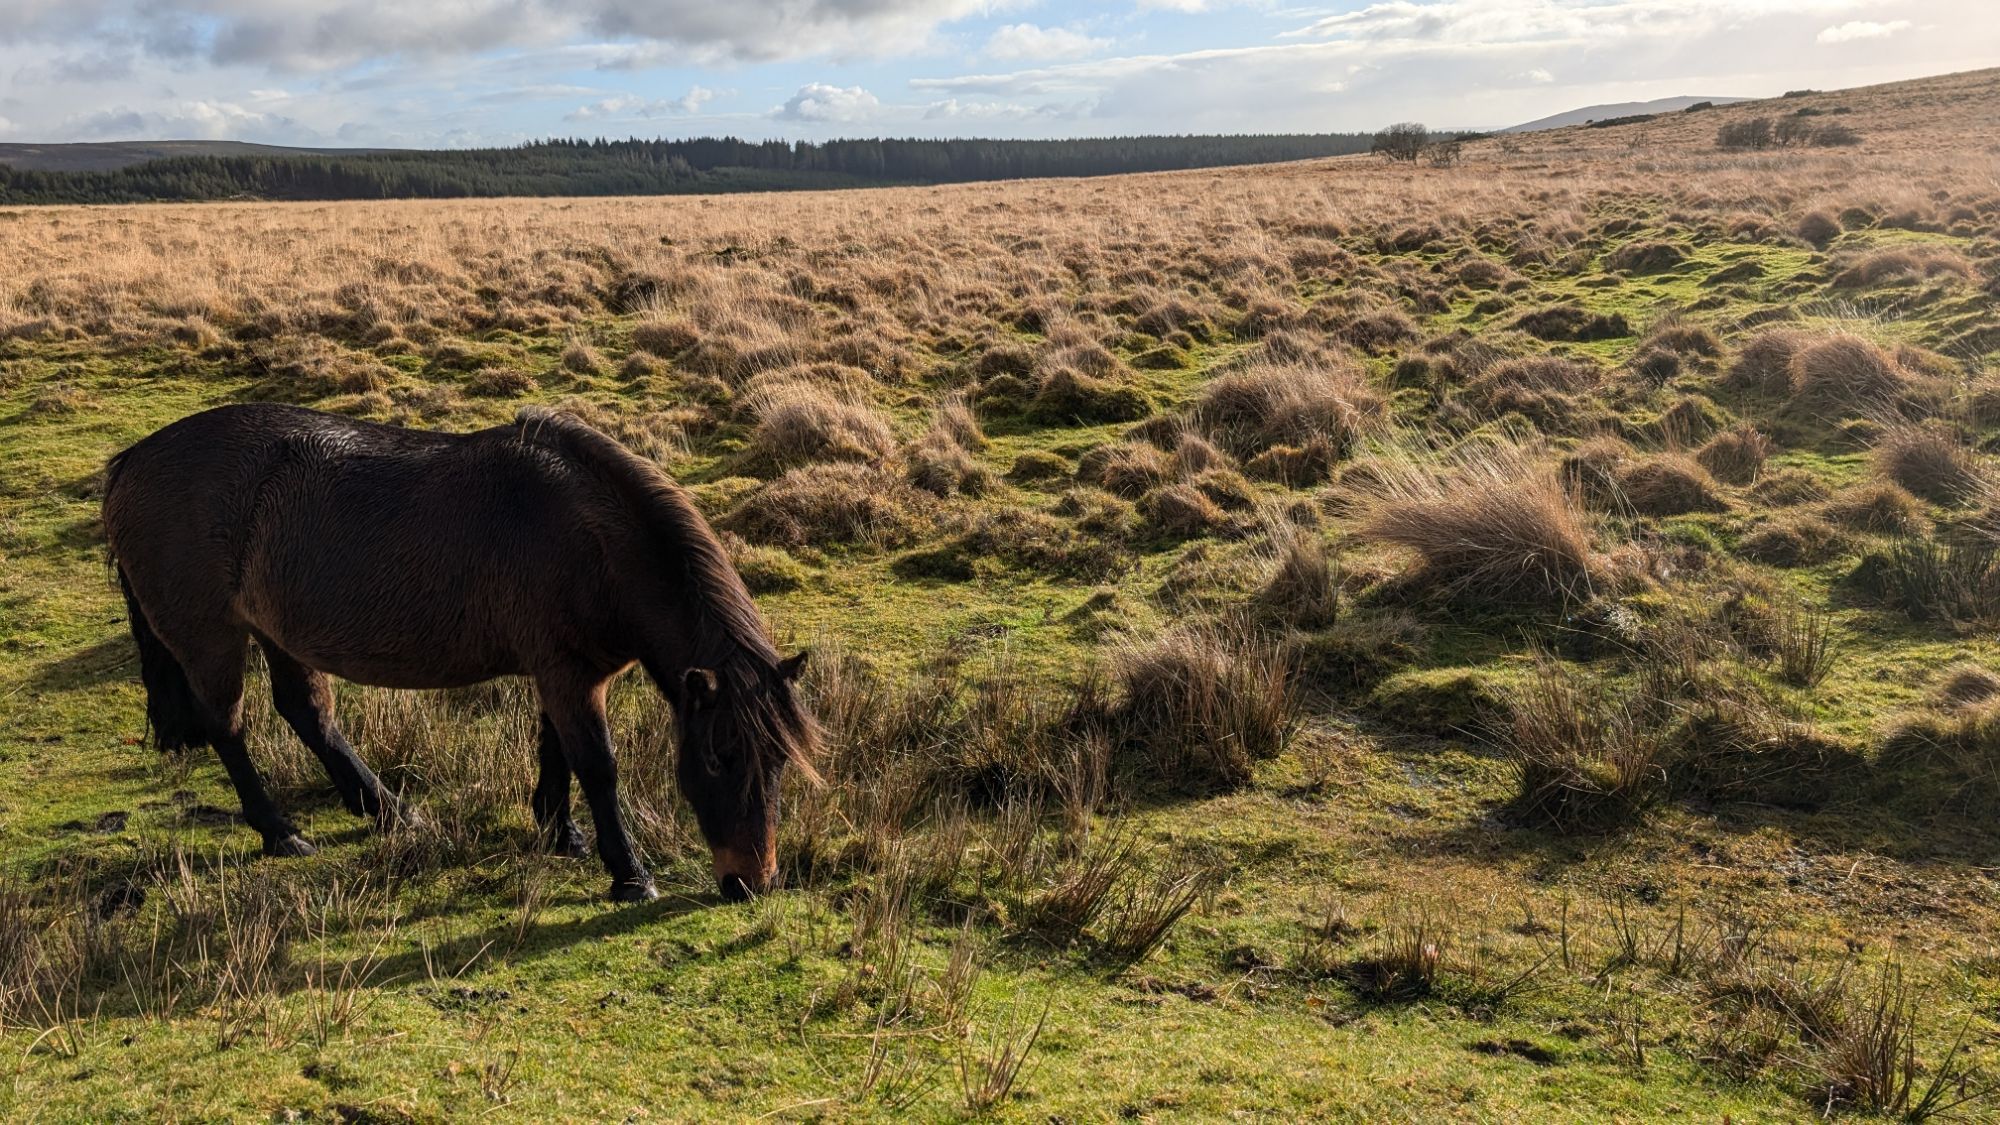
(729, 637)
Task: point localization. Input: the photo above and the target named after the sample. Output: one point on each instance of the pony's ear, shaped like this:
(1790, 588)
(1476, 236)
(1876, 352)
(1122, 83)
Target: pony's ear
(699, 687)
(790, 667)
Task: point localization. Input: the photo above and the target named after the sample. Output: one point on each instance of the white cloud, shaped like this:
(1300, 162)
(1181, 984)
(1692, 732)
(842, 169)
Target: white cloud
(201, 120)
(818, 102)
(1854, 30)
(954, 109)
(1482, 63)
(1027, 41)
(308, 35)
(630, 107)
(6, 126)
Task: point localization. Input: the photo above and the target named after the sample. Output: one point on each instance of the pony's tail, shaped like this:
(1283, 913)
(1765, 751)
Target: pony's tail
(173, 716)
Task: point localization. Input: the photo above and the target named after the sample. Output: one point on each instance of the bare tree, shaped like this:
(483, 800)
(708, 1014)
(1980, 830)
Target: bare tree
(1402, 141)
(1444, 153)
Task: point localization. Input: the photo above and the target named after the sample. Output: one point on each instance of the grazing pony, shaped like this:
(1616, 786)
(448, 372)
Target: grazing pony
(408, 559)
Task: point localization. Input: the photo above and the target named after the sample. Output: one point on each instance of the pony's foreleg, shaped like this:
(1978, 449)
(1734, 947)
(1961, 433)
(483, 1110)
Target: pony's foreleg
(304, 697)
(576, 706)
(551, 803)
(215, 675)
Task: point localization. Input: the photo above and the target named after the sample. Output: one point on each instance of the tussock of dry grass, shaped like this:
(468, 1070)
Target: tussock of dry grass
(1489, 522)
(1265, 405)
(1205, 705)
(799, 423)
(1847, 373)
(1670, 484)
(1880, 507)
(1929, 462)
(1736, 455)
(829, 504)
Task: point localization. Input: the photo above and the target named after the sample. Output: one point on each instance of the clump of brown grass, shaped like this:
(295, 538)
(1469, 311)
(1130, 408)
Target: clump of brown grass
(1294, 466)
(1764, 364)
(1818, 228)
(665, 337)
(1846, 372)
(941, 462)
(801, 422)
(1736, 455)
(1963, 684)
(1793, 539)
(1881, 507)
(1128, 468)
(1064, 397)
(1670, 484)
(1182, 511)
(1918, 261)
(831, 503)
(1204, 704)
(1254, 408)
(580, 358)
(1584, 759)
(1541, 387)
(1789, 486)
(500, 382)
(1489, 522)
(1591, 471)
(1929, 462)
(307, 367)
(1303, 589)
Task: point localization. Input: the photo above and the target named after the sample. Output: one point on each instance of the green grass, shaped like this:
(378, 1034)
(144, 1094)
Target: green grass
(505, 986)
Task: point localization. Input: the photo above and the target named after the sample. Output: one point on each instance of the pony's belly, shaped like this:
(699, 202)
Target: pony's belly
(377, 673)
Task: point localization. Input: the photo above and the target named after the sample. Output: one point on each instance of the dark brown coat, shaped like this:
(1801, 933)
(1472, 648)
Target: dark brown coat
(407, 559)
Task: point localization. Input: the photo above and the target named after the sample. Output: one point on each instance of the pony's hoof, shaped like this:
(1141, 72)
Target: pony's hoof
(634, 890)
(289, 847)
(406, 819)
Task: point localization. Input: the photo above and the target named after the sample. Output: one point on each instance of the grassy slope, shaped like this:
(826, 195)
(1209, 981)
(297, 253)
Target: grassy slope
(507, 986)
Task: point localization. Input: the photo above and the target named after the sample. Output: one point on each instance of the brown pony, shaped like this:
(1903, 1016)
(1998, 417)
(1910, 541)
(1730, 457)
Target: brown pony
(408, 559)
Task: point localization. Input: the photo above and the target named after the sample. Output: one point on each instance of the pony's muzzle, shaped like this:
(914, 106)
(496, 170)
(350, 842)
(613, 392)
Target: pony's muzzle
(740, 876)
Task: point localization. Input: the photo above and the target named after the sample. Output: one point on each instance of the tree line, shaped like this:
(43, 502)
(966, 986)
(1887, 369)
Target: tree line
(652, 167)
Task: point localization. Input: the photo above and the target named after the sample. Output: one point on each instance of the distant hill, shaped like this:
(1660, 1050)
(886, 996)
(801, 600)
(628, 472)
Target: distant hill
(1591, 113)
(577, 167)
(109, 156)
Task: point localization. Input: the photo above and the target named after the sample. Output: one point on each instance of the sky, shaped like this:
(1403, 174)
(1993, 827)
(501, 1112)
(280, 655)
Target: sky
(457, 73)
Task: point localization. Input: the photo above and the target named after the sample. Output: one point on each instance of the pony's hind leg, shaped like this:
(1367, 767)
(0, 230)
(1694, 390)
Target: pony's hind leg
(215, 675)
(576, 706)
(551, 803)
(304, 697)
